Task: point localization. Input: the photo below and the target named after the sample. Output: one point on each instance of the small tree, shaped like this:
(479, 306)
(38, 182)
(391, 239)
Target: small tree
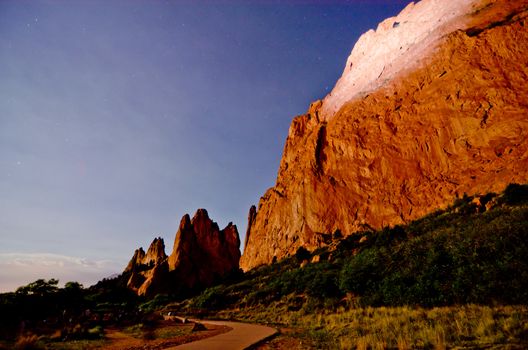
(39, 287)
(302, 254)
(516, 194)
(73, 286)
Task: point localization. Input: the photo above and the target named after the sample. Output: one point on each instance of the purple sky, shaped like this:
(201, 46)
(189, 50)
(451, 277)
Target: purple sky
(118, 117)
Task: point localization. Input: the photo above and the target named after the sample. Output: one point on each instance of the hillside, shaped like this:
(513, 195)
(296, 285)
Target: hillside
(448, 117)
(455, 278)
(418, 277)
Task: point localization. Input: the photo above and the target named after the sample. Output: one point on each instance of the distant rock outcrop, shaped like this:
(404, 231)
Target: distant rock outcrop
(404, 133)
(147, 270)
(155, 254)
(136, 261)
(202, 252)
(202, 255)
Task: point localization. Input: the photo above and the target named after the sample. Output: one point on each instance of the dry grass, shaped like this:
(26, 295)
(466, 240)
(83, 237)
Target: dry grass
(28, 342)
(405, 327)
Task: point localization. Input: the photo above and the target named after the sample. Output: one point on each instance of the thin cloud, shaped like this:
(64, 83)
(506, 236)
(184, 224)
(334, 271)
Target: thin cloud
(17, 269)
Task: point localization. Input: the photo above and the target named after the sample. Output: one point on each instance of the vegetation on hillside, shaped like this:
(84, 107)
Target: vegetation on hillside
(399, 327)
(472, 253)
(69, 313)
(458, 276)
(464, 254)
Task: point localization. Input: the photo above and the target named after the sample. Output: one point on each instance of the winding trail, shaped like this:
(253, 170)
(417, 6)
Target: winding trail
(242, 336)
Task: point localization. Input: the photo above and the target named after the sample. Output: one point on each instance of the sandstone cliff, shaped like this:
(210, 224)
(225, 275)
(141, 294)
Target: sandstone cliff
(448, 117)
(202, 255)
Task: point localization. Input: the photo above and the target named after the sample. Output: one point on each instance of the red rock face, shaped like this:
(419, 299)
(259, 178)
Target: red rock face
(251, 220)
(202, 252)
(155, 255)
(146, 270)
(137, 260)
(202, 255)
(458, 124)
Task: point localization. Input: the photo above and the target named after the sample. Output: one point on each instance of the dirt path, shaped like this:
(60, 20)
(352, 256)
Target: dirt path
(119, 340)
(242, 336)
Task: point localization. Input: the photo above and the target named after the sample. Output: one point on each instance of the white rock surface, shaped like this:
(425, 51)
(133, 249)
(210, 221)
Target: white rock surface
(399, 43)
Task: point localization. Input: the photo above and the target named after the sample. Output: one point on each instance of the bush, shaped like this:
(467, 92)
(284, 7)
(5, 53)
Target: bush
(158, 302)
(302, 254)
(515, 194)
(212, 299)
(96, 333)
(476, 259)
(360, 273)
(323, 285)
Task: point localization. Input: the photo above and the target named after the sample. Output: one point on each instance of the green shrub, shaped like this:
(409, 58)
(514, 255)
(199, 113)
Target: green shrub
(515, 194)
(302, 254)
(96, 332)
(159, 301)
(451, 256)
(478, 259)
(212, 298)
(361, 272)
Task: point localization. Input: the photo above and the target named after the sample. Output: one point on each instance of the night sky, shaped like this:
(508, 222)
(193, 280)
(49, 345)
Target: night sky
(117, 118)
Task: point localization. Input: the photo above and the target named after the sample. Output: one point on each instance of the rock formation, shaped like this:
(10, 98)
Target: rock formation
(202, 255)
(446, 116)
(202, 252)
(136, 261)
(146, 270)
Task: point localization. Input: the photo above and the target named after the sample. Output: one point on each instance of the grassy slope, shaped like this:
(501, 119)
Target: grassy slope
(457, 277)
(439, 281)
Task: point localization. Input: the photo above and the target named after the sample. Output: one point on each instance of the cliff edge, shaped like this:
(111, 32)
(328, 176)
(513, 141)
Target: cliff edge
(404, 131)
